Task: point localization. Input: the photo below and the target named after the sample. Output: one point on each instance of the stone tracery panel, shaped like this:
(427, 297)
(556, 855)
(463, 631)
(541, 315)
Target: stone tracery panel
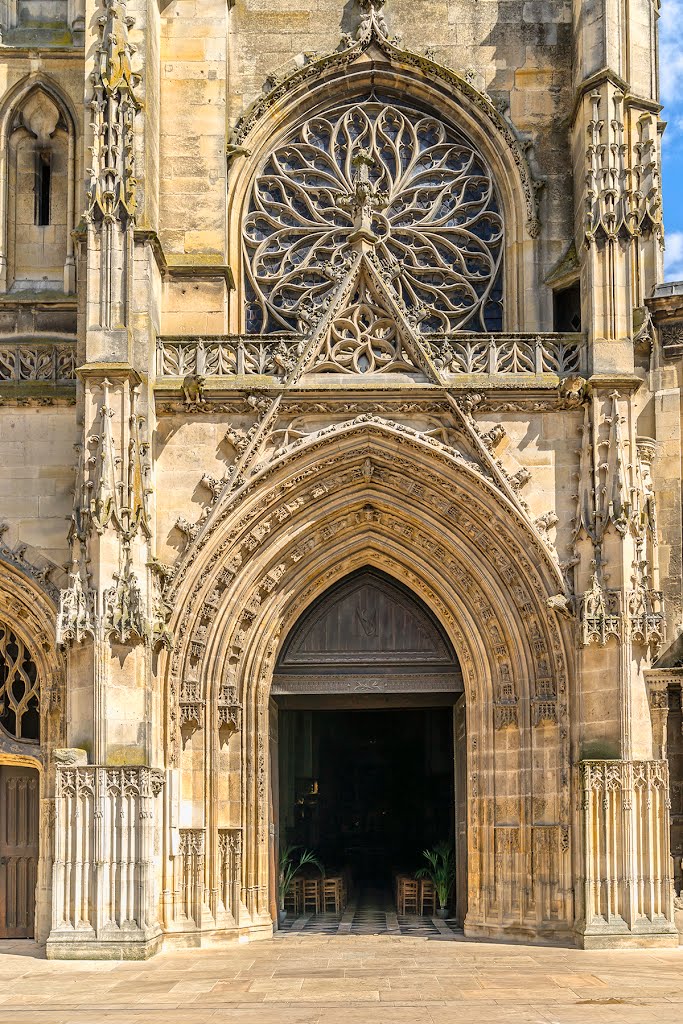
(432, 207)
(19, 687)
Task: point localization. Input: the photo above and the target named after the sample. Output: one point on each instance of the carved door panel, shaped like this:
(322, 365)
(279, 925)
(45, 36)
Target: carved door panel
(18, 850)
(460, 759)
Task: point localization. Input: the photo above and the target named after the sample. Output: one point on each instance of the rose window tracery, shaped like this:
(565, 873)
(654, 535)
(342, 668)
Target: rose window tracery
(19, 688)
(422, 195)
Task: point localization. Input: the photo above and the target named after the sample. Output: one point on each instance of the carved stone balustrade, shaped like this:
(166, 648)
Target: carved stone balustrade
(50, 361)
(453, 354)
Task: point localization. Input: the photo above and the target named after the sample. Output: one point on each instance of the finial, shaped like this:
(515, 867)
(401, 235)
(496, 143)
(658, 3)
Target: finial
(365, 199)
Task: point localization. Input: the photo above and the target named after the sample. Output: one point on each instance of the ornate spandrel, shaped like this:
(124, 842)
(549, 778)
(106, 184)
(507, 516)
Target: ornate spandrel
(394, 178)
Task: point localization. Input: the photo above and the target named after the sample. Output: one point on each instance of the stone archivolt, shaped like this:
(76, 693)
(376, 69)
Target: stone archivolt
(301, 531)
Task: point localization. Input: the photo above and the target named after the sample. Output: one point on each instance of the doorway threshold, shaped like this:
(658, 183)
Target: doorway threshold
(371, 913)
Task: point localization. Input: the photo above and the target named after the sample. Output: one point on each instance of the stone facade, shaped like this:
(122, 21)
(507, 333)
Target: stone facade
(298, 290)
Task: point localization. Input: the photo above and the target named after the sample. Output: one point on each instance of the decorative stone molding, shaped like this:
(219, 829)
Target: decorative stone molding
(229, 709)
(111, 188)
(623, 189)
(351, 213)
(40, 571)
(191, 705)
(599, 614)
(190, 894)
(111, 502)
(77, 610)
(52, 362)
(517, 355)
(627, 884)
(103, 880)
(230, 872)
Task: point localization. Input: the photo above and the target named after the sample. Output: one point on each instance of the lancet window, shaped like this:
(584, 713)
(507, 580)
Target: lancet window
(410, 185)
(19, 688)
(36, 198)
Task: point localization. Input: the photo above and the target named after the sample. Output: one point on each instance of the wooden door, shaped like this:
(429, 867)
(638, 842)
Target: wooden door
(18, 850)
(460, 751)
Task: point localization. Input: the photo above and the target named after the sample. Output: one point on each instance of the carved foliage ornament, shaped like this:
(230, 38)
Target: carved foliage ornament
(428, 205)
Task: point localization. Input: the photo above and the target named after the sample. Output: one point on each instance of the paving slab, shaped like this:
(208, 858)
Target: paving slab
(301, 978)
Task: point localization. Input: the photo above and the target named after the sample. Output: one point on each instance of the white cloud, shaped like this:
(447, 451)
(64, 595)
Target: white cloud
(673, 256)
(671, 51)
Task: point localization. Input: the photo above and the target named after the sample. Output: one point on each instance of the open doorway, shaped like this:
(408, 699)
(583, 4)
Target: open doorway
(365, 767)
(369, 789)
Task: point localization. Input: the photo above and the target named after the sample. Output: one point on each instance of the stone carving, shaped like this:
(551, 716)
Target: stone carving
(19, 688)
(620, 799)
(123, 616)
(363, 338)
(39, 573)
(190, 530)
(230, 870)
(600, 613)
(103, 866)
(112, 184)
(77, 615)
(395, 177)
(462, 354)
(373, 31)
(193, 391)
(623, 192)
(44, 362)
(70, 756)
(616, 494)
(191, 704)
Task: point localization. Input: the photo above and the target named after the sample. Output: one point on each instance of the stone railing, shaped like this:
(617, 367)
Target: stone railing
(274, 356)
(52, 361)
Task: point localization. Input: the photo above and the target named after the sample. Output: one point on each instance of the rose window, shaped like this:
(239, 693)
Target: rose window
(432, 216)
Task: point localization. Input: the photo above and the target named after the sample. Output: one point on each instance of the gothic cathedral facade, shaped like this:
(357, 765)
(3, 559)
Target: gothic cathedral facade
(335, 362)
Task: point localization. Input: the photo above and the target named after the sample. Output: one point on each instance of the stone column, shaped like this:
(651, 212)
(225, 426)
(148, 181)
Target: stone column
(109, 619)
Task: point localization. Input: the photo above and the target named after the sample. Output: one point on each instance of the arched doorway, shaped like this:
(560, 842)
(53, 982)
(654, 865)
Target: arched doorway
(371, 752)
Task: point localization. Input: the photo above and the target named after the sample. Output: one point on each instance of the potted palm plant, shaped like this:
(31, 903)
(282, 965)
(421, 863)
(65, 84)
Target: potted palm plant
(290, 865)
(440, 870)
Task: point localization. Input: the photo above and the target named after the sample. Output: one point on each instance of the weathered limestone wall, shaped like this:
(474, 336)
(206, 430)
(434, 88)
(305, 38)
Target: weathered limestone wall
(37, 477)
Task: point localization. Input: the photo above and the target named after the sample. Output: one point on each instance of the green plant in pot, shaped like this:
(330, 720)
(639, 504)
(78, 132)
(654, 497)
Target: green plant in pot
(440, 870)
(290, 865)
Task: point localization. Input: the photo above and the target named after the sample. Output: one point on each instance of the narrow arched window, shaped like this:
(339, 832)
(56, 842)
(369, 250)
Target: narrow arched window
(38, 203)
(19, 688)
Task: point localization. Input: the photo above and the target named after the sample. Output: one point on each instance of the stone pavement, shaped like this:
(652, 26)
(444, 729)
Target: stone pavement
(347, 979)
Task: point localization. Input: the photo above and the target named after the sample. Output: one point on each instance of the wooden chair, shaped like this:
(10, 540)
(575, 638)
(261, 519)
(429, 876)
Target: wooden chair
(427, 898)
(311, 896)
(408, 896)
(332, 895)
(295, 897)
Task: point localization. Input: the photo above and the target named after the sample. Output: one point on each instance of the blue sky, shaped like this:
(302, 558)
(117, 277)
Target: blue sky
(671, 87)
